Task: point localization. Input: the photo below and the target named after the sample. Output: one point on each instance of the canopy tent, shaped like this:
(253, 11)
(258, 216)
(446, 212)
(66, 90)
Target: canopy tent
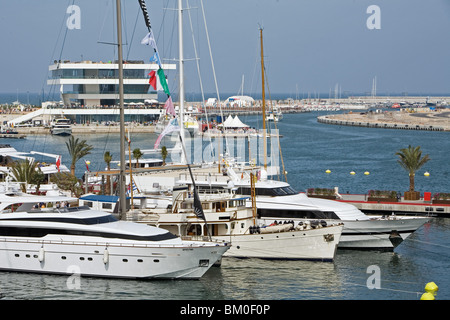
(231, 122)
(237, 123)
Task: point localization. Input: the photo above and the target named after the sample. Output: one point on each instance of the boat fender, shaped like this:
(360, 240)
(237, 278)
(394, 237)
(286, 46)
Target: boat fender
(314, 224)
(41, 255)
(106, 256)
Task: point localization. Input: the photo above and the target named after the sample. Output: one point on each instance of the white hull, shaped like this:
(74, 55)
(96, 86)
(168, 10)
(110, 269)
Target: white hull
(92, 256)
(61, 131)
(380, 234)
(313, 244)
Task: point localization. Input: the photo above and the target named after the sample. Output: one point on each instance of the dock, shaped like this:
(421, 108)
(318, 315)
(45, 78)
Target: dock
(401, 207)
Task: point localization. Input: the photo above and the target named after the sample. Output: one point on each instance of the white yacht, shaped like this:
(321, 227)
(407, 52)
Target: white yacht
(58, 238)
(61, 127)
(277, 200)
(228, 219)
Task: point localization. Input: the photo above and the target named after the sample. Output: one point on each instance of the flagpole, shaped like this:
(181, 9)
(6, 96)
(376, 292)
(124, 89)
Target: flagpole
(122, 196)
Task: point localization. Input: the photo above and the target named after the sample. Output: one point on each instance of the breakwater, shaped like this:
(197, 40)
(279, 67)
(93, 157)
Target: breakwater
(429, 121)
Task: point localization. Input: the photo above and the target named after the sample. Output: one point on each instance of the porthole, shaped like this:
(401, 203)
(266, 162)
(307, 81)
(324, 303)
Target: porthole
(125, 260)
(17, 255)
(155, 260)
(63, 258)
(140, 260)
(89, 259)
(82, 258)
(27, 255)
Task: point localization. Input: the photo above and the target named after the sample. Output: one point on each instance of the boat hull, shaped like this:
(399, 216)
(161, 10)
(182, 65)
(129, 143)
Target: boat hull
(61, 132)
(113, 259)
(373, 234)
(381, 234)
(313, 244)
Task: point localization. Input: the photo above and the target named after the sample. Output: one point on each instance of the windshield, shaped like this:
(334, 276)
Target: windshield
(280, 191)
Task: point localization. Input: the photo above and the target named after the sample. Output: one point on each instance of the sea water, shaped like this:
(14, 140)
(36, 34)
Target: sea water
(309, 149)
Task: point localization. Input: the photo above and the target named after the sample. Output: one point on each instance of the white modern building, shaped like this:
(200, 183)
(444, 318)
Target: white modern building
(93, 84)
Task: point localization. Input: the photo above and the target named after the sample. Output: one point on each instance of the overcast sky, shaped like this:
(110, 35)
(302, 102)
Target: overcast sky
(309, 45)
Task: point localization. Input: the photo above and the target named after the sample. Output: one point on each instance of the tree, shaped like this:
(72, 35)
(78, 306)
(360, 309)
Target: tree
(164, 154)
(137, 154)
(411, 160)
(77, 150)
(26, 171)
(67, 181)
(108, 158)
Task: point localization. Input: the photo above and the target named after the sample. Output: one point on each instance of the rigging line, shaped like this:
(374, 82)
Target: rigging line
(103, 24)
(199, 73)
(276, 129)
(132, 35)
(213, 69)
(387, 289)
(54, 48)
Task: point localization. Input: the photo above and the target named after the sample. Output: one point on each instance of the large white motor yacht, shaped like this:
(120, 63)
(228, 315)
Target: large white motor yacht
(56, 238)
(277, 200)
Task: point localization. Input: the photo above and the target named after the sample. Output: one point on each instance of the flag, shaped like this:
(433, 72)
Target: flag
(169, 107)
(149, 40)
(171, 127)
(58, 162)
(87, 165)
(198, 209)
(132, 185)
(155, 58)
(162, 80)
(152, 80)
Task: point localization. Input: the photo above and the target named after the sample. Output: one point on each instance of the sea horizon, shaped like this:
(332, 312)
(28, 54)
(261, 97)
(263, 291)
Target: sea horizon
(35, 98)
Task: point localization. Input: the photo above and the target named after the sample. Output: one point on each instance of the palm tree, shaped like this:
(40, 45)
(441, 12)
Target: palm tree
(164, 154)
(411, 160)
(137, 154)
(77, 150)
(28, 172)
(108, 158)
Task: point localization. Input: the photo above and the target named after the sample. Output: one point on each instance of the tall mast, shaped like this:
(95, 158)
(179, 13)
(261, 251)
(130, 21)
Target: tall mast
(263, 100)
(181, 67)
(122, 197)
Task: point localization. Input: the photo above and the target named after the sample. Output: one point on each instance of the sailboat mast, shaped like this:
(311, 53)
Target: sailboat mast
(181, 67)
(263, 101)
(122, 196)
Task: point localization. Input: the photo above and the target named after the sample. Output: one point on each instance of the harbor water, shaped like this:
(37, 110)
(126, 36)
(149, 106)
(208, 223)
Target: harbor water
(309, 148)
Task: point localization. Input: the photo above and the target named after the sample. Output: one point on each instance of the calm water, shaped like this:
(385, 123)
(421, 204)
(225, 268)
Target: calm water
(309, 148)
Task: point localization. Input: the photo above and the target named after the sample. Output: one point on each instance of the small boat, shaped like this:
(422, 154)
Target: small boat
(61, 127)
(41, 234)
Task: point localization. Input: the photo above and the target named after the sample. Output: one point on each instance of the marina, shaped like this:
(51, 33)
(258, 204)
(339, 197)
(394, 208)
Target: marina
(117, 192)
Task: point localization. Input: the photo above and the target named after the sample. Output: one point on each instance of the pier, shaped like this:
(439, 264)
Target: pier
(416, 119)
(401, 207)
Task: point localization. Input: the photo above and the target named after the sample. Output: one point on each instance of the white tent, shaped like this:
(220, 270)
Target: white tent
(227, 123)
(237, 123)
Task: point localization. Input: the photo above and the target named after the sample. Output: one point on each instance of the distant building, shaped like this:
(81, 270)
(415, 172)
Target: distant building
(93, 84)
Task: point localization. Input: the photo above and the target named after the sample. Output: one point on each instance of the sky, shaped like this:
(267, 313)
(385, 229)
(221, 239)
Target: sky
(310, 46)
